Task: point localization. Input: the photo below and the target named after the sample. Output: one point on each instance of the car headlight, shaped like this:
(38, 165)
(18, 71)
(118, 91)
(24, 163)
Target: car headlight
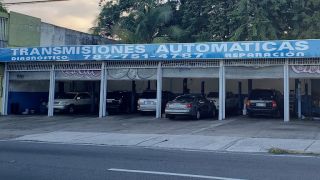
(63, 103)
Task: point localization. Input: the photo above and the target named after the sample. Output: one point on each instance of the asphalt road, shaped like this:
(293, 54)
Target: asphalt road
(21, 160)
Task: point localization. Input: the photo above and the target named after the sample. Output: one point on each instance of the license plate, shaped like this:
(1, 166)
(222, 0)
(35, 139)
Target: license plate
(176, 105)
(148, 102)
(261, 105)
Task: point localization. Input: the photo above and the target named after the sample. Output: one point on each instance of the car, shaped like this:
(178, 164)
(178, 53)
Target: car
(148, 100)
(120, 102)
(72, 101)
(195, 106)
(266, 102)
(232, 101)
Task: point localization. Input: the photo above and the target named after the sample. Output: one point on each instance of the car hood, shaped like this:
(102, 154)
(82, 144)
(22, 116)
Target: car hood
(62, 100)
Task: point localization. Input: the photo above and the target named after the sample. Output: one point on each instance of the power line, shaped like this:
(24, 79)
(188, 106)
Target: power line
(31, 2)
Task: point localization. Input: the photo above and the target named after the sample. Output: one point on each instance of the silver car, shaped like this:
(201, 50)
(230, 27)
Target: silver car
(148, 100)
(72, 101)
(195, 106)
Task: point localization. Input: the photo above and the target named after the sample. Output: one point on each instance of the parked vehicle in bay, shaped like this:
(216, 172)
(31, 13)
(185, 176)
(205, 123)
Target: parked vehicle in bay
(120, 102)
(72, 101)
(267, 102)
(232, 101)
(195, 106)
(148, 100)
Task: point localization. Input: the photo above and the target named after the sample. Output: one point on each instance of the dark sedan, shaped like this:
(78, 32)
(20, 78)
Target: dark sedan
(267, 102)
(120, 102)
(195, 106)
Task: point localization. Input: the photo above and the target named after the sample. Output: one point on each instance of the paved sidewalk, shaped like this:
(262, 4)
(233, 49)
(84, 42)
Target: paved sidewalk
(190, 142)
(236, 134)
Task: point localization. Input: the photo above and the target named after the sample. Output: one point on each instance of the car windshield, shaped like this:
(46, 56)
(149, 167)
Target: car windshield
(261, 94)
(213, 95)
(185, 98)
(65, 96)
(149, 95)
(113, 95)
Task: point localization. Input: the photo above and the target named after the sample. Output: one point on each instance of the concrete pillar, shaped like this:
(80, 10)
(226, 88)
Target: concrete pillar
(299, 99)
(221, 91)
(52, 86)
(5, 91)
(286, 92)
(159, 91)
(103, 92)
(240, 95)
(93, 98)
(149, 85)
(249, 86)
(61, 87)
(133, 96)
(224, 94)
(185, 86)
(202, 88)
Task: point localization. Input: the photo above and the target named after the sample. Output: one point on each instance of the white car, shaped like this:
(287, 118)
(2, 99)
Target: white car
(232, 101)
(72, 101)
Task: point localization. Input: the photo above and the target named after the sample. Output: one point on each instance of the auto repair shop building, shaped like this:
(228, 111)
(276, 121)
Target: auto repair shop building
(291, 66)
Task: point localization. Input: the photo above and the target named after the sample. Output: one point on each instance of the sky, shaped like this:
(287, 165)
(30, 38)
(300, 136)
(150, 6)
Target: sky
(74, 14)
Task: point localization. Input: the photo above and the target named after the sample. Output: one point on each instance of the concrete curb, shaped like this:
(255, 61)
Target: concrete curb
(190, 142)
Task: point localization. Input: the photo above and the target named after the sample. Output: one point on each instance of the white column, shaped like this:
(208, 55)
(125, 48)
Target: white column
(5, 91)
(224, 92)
(286, 92)
(51, 91)
(299, 100)
(221, 91)
(159, 91)
(103, 91)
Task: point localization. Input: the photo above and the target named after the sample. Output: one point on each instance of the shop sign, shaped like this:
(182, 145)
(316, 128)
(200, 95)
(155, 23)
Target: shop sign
(306, 69)
(169, 51)
(79, 74)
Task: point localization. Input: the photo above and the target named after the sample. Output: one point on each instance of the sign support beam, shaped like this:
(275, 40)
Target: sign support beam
(103, 92)
(221, 91)
(286, 92)
(51, 92)
(5, 91)
(159, 91)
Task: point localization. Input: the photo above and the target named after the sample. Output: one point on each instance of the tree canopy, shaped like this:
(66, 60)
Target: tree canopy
(150, 21)
(2, 7)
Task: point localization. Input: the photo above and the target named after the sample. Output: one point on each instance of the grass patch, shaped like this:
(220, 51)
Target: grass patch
(285, 151)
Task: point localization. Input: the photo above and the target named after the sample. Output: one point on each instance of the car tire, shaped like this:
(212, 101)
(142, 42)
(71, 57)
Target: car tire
(250, 114)
(197, 115)
(171, 116)
(214, 112)
(71, 109)
(128, 110)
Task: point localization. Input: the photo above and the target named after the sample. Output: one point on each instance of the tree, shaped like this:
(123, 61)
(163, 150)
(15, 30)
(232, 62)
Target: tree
(137, 21)
(148, 21)
(2, 7)
(304, 19)
(256, 20)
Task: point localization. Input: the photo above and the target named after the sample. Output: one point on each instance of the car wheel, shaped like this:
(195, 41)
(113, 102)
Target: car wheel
(198, 115)
(171, 116)
(71, 109)
(214, 112)
(128, 110)
(250, 115)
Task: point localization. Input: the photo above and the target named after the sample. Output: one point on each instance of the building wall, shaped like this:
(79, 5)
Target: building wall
(23, 30)
(4, 18)
(27, 31)
(52, 35)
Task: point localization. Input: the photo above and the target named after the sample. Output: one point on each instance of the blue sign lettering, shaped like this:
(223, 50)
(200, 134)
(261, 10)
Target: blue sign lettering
(173, 51)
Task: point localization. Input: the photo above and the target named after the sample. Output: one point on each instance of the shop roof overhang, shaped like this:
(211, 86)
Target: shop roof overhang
(306, 48)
